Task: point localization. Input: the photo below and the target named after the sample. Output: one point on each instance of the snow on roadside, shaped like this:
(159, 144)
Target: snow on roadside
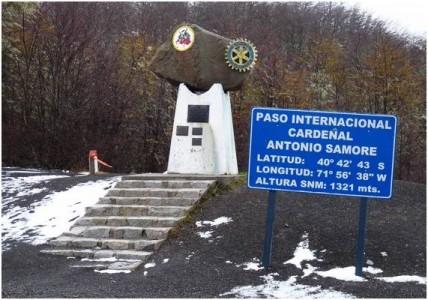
(405, 278)
(23, 186)
(284, 289)
(53, 215)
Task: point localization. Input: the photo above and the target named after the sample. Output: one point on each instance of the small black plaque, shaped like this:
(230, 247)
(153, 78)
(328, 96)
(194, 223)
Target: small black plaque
(197, 131)
(198, 113)
(196, 142)
(182, 130)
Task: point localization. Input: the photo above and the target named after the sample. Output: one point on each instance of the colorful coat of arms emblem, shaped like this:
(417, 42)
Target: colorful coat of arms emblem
(183, 38)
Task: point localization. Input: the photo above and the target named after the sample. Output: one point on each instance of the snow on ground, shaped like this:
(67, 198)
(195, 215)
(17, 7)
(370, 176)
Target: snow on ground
(51, 216)
(209, 233)
(284, 289)
(302, 253)
(188, 257)
(347, 273)
(216, 222)
(23, 186)
(272, 288)
(253, 265)
(405, 278)
(205, 234)
(149, 265)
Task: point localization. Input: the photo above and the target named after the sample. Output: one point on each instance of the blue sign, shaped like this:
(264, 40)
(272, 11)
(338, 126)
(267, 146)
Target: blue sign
(322, 152)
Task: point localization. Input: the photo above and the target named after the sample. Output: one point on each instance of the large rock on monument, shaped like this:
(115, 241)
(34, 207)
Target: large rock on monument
(200, 66)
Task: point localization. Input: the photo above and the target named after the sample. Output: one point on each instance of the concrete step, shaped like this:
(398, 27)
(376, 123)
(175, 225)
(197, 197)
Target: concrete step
(153, 192)
(156, 176)
(119, 232)
(128, 265)
(149, 201)
(198, 184)
(136, 210)
(112, 244)
(97, 265)
(129, 221)
(99, 253)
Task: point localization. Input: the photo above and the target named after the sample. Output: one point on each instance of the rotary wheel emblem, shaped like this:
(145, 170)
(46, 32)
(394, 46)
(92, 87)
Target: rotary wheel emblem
(241, 55)
(183, 38)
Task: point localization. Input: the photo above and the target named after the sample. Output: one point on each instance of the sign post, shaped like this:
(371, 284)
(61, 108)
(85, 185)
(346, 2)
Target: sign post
(329, 153)
(270, 218)
(359, 257)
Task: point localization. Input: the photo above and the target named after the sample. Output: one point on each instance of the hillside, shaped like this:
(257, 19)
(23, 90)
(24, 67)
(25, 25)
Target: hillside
(76, 76)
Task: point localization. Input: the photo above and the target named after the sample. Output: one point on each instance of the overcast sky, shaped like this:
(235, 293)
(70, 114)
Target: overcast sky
(408, 15)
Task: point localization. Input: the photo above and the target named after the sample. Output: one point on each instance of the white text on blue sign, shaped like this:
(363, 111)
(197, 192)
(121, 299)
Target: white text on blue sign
(322, 152)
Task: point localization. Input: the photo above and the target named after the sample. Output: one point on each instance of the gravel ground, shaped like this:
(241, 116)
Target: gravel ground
(197, 267)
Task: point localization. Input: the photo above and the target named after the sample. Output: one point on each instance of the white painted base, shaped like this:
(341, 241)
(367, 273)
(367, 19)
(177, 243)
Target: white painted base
(217, 154)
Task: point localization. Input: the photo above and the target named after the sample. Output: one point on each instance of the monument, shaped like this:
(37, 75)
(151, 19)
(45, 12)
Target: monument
(205, 66)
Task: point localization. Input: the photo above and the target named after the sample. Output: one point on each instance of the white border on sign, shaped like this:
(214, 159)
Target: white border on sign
(322, 112)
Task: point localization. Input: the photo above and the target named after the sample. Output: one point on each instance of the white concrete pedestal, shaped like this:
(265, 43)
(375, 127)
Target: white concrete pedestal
(202, 138)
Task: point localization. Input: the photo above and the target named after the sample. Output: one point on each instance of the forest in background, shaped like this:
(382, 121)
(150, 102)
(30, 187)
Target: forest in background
(75, 77)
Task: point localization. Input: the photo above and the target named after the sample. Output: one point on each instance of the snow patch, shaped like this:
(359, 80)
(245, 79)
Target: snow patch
(347, 273)
(53, 215)
(404, 278)
(253, 265)
(149, 265)
(308, 270)
(206, 234)
(12, 185)
(302, 253)
(165, 260)
(384, 254)
(284, 289)
(372, 270)
(30, 192)
(189, 256)
(216, 222)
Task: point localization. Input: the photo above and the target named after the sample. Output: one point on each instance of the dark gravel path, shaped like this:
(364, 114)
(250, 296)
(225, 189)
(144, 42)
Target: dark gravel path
(397, 227)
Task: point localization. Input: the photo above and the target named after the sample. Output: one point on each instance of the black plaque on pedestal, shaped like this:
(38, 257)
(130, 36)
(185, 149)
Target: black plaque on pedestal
(198, 113)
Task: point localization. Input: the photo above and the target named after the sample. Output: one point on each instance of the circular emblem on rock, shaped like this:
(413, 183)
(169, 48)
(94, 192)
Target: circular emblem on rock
(241, 55)
(183, 38)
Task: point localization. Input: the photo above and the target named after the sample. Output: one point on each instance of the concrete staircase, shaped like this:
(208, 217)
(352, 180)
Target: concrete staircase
(123, 229)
